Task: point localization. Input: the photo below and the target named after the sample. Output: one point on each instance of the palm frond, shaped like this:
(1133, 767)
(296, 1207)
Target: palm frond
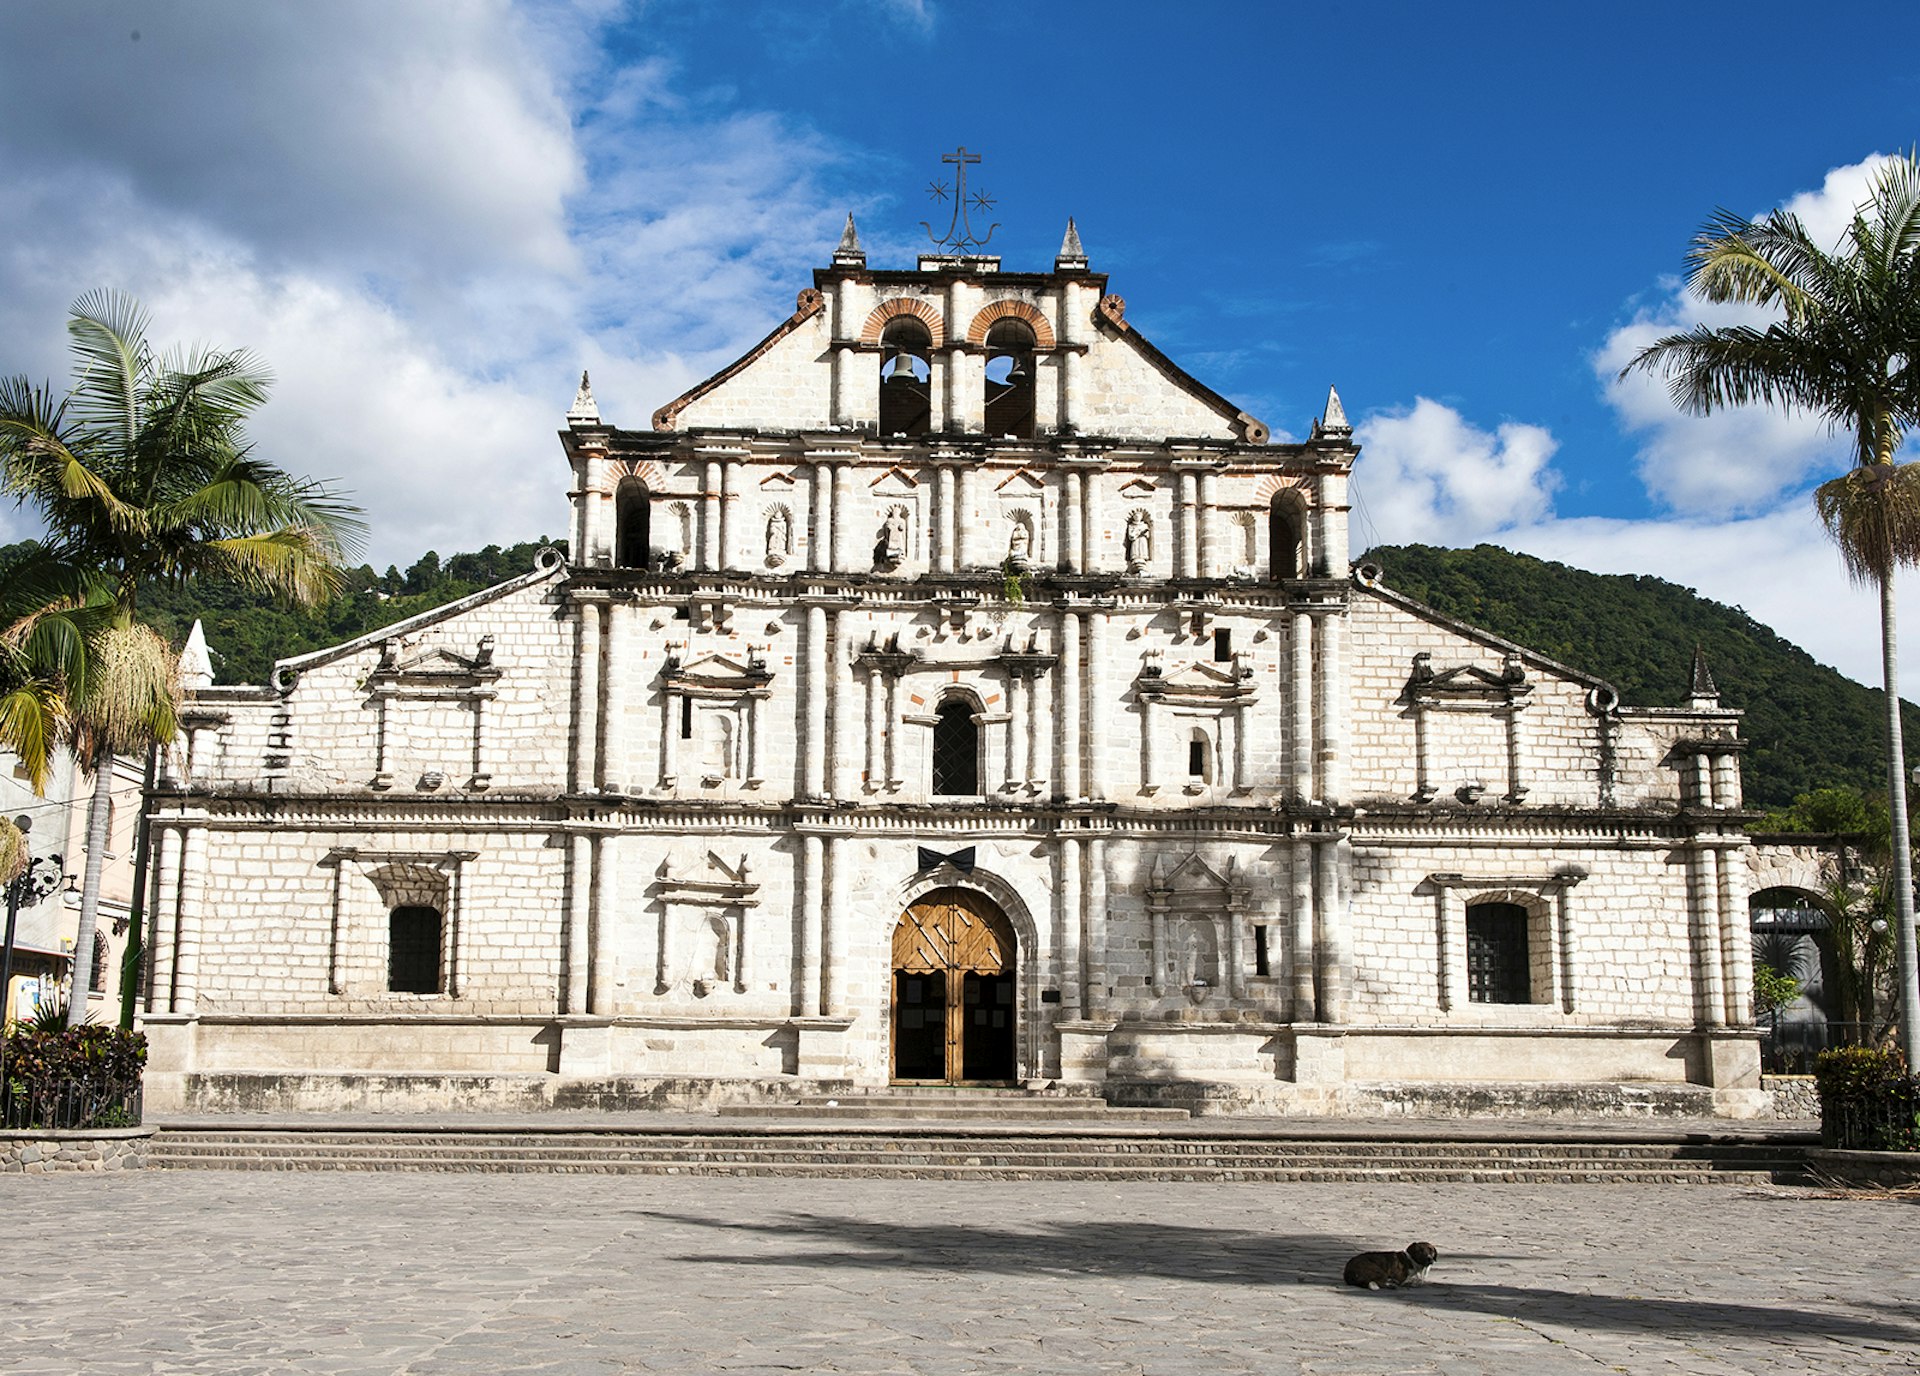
(107, 331)
(33, 715)
(133, 693)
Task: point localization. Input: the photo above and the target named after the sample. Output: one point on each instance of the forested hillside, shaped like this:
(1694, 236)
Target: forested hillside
(247, 632)
(1811, 727)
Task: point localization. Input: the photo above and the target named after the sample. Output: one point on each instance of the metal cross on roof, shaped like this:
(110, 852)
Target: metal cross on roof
(960, 237)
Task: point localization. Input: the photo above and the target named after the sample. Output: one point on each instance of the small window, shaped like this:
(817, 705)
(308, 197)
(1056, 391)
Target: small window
(686, 718)
(413, 950)
(1223, 647)
(1262, 961)
(1497, 953)
(1199, 756)
(1283, 541)
(956, 749)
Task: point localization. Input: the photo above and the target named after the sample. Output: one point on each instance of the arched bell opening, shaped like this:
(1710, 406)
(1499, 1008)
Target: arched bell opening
(633, 525)
(1286, 553)
(955, 981)
(906, 373)
(1010, 385)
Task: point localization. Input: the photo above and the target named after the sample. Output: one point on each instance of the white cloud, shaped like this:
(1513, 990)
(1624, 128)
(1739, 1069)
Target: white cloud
(1426, 474)
(1740, 461)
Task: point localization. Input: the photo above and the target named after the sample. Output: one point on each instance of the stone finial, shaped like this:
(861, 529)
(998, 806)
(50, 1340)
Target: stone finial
(1703, 693)
(1071, 258)
(1334, 424)
(196, 665)
(849, 254)
(585, 410)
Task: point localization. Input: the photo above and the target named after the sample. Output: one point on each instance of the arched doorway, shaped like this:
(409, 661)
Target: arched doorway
(953, 991)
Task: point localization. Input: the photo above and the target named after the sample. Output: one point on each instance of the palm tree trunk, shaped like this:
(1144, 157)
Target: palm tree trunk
(1904, 947)
(99, 814)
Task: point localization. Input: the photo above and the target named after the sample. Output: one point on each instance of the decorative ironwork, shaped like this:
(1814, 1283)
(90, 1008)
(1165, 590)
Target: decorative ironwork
(960, 237)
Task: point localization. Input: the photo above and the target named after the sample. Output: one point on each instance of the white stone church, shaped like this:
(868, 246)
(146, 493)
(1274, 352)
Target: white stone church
(951, 690)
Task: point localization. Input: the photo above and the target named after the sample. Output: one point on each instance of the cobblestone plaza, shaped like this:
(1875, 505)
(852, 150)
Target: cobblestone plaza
(439, 1273)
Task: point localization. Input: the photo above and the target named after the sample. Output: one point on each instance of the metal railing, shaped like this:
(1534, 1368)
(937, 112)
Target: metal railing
(69, 1107)
(1789, 1047)
(1885, 1121)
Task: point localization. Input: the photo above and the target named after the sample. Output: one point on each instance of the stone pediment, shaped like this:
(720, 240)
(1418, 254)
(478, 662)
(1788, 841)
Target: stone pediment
(708, 881)
(1196, 682)
(778, 482)
(716, 673)
(895, 482)
(1138, 489)
(1021, 483)
(431, 672)
(1466, 685)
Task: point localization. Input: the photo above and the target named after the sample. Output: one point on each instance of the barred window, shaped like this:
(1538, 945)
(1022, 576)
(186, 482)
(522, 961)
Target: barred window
(1497, 953)
(956, 748)
(413, 950)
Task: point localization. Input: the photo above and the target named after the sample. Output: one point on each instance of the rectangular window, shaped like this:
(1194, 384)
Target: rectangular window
(1223, 647)
(1197, 759)
(413, 951)
(1262, 962)
(686, 719)
(1497, 953)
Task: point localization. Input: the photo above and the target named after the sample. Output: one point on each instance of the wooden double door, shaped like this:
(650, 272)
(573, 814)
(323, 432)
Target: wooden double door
(953, 991)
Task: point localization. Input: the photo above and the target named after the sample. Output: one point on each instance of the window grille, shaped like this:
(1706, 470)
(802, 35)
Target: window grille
(956, 749)
(413, 950)
(1497, 954)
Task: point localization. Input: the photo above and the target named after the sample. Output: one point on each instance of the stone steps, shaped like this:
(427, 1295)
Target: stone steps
(1063, 1155)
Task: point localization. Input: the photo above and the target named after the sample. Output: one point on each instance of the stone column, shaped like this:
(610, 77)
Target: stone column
(820, 519)
(1570, 962)
(1237, 945)
(893, 732)
(1186, 557)
(1736, 935)
(1068, 696)
(166, 910)
(456, 929)
(943, 515)
(756, 735)
(1301, 752)
(1330, 546)
(193, 888)
(340, 920)
(1096, 950)
(847, 376)
(939, 386)
(1242, 764)
(1330, 932)
(1157, 939)
(1073, 518)
(1039, 716)
(842, 513)
(671, 708)
(1711, 997)
(1016, 735)
(580, 850)
(1097, 704)
(966, 518)
(731, 556)
(843, 752)
(1149, 754)
(813, 892)
(619, 672)
(1209, 523)
(600, 1000)
(833, 920)
(1332, 684)
(708, 555)
(1450, 917)
(1726, 780)
(1067, 916)
(874, 723)
(813, 734)
(1090, 546)
(1301, 956)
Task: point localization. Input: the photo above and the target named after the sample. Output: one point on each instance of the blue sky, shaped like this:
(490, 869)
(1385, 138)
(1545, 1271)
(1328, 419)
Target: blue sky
(429, 216)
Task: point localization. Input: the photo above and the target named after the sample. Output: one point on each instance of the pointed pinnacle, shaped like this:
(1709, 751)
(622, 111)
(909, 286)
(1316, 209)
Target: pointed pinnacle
(1071, 254)
(585, 410)
(1336, 416)
(849, 254)
(196, 665)
(850, 239)
(1703, 685)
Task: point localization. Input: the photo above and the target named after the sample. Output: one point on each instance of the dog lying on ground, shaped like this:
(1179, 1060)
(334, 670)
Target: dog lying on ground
(1391, 1270)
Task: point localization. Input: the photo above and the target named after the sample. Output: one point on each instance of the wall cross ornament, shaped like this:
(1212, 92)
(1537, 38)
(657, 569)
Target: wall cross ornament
(960, 236)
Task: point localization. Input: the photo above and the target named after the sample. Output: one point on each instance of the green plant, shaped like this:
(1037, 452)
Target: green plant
(70, 1077)
(1772, 990)
(1849, 1071)
(1012, 585)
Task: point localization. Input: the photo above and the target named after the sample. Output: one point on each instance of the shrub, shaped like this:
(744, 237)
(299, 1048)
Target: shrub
(1867, 1100)
(72, 1078)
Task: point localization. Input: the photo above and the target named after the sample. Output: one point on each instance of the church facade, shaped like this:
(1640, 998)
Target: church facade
(951, 690)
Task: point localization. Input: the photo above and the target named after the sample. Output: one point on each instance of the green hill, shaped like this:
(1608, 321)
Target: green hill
(1811, 726)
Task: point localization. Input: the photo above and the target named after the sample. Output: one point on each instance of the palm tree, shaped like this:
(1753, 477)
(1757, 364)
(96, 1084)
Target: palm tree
(143, 472)
(1846, 349)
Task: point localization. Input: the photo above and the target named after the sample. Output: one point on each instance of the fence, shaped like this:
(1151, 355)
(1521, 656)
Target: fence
(70, 1106)
(1788, 1048)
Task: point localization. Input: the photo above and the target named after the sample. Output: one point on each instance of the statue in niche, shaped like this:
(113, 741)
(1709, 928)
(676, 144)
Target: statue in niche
(1020, 544)
(1199, 962)
(710, 962)
(779, 536)
(1139, 540)
(891, 547)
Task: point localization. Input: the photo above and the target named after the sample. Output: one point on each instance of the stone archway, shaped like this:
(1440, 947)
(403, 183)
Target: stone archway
(955, 991)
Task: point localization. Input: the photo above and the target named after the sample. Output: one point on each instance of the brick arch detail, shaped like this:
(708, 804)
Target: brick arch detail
(1017, 310)
(896, 306)
(646, 470)
(1275, 483)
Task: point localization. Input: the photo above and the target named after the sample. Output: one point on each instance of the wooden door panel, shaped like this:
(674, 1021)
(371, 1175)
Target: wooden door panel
(957, 960)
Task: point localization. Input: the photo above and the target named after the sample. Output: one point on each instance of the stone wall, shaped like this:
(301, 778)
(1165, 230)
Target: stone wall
(92, 1149)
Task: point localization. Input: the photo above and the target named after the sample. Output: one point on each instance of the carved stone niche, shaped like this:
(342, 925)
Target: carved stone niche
(404, 682)
(1220, 695)
(712, 710)
(1467, 690)
(705, 942)
(1199, 920)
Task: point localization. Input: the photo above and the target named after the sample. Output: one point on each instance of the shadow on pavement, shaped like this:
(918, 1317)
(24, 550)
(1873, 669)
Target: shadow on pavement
(1237, 1256)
